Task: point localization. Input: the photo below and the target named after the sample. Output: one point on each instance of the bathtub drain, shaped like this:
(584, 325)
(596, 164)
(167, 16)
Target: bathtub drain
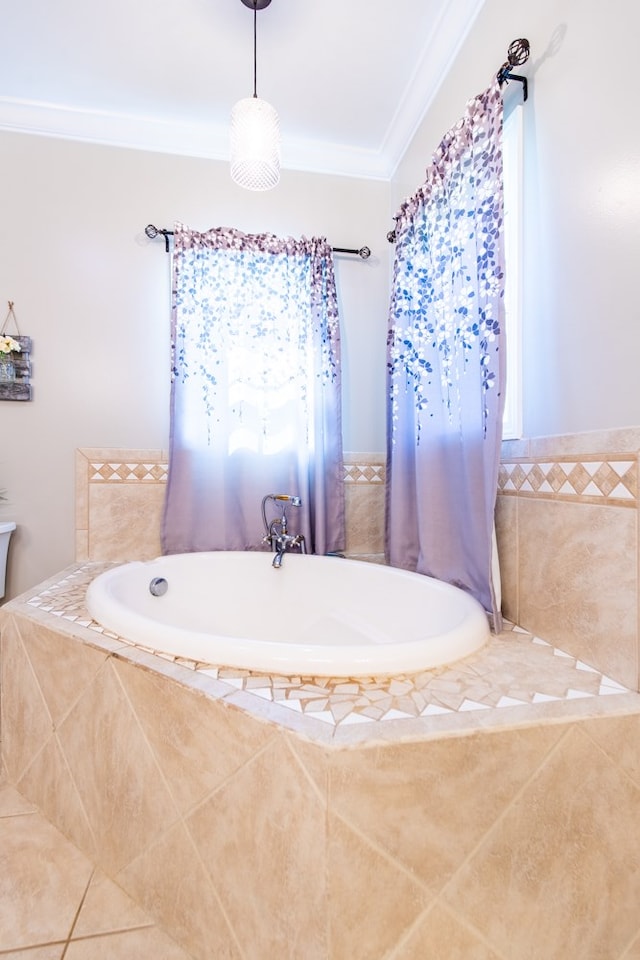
(158, 586)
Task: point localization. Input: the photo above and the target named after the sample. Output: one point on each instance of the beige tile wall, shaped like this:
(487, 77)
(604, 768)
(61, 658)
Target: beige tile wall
(364, 504)
(242, 839)
(120, 495)
(566, 518)
(567, 523)
(119, 500)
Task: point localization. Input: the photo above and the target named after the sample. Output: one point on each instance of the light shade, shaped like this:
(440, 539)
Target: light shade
(255, 144)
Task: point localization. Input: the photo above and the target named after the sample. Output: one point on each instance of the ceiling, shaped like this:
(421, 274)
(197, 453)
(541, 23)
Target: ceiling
(350, 79)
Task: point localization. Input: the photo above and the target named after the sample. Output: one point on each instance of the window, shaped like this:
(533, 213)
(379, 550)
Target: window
(255, 402)
(512, 155)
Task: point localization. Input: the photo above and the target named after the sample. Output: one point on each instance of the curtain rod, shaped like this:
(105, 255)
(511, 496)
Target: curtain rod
(517, 54)
(152, 232)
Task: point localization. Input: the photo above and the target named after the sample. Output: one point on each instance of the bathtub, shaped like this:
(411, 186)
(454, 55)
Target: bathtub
(323, 616)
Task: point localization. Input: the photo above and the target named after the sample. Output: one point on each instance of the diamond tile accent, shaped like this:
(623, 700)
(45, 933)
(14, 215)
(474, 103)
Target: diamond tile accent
(579, 478)
(364, 473)
(536, 477)
(129, 472)
(518, 476)
(610, 480)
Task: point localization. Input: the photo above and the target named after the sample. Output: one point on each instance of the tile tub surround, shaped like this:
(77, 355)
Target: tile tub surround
(567, 524)
(566, 521)
(120, 498)
(364, 494)
(244, 827)
(54, 903)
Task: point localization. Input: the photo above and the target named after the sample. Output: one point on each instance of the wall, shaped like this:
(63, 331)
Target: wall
(120, 495)
(567, 526)
(582, 204)
(93, 292)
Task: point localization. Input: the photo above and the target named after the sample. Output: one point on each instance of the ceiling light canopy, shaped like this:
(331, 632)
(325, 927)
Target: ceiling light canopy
(255, 131)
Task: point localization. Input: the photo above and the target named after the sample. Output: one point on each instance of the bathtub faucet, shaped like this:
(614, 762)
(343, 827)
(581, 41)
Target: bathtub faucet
(277, 531)
(283, 543)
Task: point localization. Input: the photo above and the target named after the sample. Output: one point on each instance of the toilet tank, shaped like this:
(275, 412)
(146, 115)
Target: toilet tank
(6, 529)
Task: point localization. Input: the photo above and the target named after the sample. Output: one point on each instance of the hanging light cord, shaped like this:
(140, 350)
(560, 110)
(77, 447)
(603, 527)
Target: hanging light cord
(255, 47)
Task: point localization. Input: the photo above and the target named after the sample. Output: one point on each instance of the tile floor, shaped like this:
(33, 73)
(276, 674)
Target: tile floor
(54, 904)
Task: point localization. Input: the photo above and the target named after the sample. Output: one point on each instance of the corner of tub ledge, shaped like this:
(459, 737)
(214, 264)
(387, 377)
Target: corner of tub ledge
(84, 568)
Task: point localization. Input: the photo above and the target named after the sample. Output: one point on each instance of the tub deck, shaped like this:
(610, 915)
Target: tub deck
(516, 678)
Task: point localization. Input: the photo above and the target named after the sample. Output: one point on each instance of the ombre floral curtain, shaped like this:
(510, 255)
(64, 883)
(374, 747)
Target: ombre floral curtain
(446, 361)
(255, 397)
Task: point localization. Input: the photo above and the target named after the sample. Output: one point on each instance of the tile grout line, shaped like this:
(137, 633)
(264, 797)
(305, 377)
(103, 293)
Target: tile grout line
(77, 914)
(496, 824)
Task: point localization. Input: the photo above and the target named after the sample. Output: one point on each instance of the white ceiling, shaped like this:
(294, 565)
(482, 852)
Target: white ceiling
(351, 79)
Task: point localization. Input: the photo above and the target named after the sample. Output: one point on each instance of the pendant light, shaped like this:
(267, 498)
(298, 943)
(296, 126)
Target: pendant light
(255, 131)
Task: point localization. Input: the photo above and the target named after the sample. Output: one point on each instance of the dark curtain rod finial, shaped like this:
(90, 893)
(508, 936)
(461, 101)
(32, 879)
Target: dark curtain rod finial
(364, 252)
(152, 232)
(517, 53)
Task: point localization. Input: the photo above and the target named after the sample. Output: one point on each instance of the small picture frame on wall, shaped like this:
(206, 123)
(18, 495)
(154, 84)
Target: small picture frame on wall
(15, 361)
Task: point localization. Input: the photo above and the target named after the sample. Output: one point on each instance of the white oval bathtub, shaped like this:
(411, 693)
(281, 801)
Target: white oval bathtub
(316, 615)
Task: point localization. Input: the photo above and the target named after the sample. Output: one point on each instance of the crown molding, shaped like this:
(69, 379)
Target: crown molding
(207, 141)
(211, 141)
(448, 33)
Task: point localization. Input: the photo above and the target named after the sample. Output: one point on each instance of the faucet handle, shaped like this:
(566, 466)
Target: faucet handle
(287, 498)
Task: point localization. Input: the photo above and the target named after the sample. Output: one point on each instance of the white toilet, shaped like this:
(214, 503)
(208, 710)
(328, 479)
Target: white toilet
(6, 529)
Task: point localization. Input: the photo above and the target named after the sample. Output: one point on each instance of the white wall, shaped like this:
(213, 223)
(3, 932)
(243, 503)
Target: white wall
(582, 203)
(94, 293)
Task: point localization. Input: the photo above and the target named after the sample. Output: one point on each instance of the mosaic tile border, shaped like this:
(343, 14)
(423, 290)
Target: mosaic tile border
(364, 473)
(112, 468)
(131, 471)
(591, 480)
(603, 480)
(515, 668)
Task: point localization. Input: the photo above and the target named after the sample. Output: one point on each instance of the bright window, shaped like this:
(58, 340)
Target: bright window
(255, 399)
(512, 152)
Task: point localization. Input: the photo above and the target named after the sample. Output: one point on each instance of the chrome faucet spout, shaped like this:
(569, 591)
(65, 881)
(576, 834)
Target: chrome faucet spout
(287, 542)
(276, 531)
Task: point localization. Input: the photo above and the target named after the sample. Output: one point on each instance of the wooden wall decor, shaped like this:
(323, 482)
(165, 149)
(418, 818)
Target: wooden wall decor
(18, 388)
